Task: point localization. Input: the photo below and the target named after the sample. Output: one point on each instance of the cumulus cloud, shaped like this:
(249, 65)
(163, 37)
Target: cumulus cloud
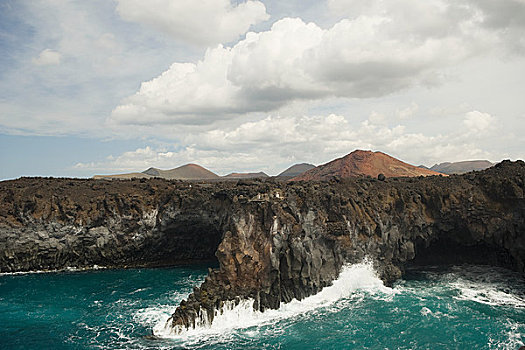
(47, 57)
(376, 51)
(478, 122)
(439, 18)
(91, 61)
(275, 142)
(136, 160)
(201, 22)
(408, 112)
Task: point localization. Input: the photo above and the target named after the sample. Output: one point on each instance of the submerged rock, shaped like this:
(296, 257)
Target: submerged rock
(273, 241)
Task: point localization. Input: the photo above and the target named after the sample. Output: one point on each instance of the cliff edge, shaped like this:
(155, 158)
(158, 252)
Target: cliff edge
(273, 241)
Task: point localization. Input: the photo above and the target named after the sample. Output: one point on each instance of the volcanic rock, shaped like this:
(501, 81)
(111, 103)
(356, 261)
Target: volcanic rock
(273, 241)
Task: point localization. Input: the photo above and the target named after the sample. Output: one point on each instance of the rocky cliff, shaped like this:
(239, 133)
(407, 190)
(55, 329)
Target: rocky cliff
(273, 241)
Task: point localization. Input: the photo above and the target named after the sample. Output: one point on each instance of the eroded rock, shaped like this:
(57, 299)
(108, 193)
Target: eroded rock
(273, 241)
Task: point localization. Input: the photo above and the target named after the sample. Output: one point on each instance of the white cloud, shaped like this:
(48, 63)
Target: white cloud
(377, 118)
(478, 122)
(273, 143)
(202, 22)
(317, 82)
(407, 112)
(47, 57)
(137, 160)
(368, 55)
(440, 18)
(94, 59)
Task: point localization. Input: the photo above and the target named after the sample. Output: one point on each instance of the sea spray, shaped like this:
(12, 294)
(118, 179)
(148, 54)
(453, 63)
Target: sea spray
(480, 284)
(241, 314)
(105, 310)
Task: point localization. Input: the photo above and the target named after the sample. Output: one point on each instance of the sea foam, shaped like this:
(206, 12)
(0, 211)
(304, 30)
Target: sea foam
(242, 315)
(65, 269)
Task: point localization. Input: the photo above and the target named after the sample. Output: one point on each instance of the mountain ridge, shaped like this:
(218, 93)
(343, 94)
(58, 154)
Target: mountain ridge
(364, 163)
(356, 163)
(184, 172)
(295, 170)
(461, 167)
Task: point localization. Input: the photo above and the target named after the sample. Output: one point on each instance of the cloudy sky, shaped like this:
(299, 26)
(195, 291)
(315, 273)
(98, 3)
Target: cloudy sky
(108, 86)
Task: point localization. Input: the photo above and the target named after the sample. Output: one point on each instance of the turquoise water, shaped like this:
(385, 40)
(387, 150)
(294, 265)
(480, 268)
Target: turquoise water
(465, 307)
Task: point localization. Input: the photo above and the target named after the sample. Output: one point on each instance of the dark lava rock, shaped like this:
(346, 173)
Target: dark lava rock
(273, 241)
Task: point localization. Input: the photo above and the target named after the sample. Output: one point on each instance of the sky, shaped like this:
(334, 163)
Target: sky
(114, 86)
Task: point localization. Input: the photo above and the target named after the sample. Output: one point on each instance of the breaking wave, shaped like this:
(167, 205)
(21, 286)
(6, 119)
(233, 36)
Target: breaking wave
(242, 315)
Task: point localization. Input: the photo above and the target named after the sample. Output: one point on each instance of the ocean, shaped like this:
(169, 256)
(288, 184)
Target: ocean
(458, 307)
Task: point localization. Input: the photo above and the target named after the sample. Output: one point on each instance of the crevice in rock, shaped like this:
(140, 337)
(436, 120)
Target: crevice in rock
(187, 240)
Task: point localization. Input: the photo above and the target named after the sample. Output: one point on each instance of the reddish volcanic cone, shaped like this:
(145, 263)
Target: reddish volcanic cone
(363, 163)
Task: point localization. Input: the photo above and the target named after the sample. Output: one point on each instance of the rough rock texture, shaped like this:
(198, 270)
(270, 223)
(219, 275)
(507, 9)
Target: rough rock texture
(273, 241)
(57, 223)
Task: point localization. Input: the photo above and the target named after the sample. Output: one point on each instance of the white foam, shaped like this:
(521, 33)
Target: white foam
(487, 293)
(425, 311)
(153, 315)
(65, 269)
(139, 290)
(513, 341)
(232, 317)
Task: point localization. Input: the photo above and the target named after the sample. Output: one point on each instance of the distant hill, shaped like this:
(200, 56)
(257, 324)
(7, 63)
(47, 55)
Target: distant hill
(123, 176)
(259, 175)
(185, 172)
(295, 170)
(152, 172)
(461, 167)
(363, 163)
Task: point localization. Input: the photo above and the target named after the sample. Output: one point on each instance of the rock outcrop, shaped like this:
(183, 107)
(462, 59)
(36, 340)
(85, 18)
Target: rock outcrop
(273, 241)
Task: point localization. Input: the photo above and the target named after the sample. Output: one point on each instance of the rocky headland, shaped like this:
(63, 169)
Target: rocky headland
(273, 241)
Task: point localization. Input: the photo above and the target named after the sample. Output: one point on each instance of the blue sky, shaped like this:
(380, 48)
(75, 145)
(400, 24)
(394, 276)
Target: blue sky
(91, 87)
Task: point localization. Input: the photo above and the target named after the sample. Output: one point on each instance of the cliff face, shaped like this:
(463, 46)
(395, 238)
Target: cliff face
(273, 241)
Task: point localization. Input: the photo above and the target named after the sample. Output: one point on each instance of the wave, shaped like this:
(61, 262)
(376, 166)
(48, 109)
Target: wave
(481, 284)
(233, 316)
(491, 288)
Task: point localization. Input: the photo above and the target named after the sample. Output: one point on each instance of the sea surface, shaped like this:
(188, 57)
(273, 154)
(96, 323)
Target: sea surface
(460, 307)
